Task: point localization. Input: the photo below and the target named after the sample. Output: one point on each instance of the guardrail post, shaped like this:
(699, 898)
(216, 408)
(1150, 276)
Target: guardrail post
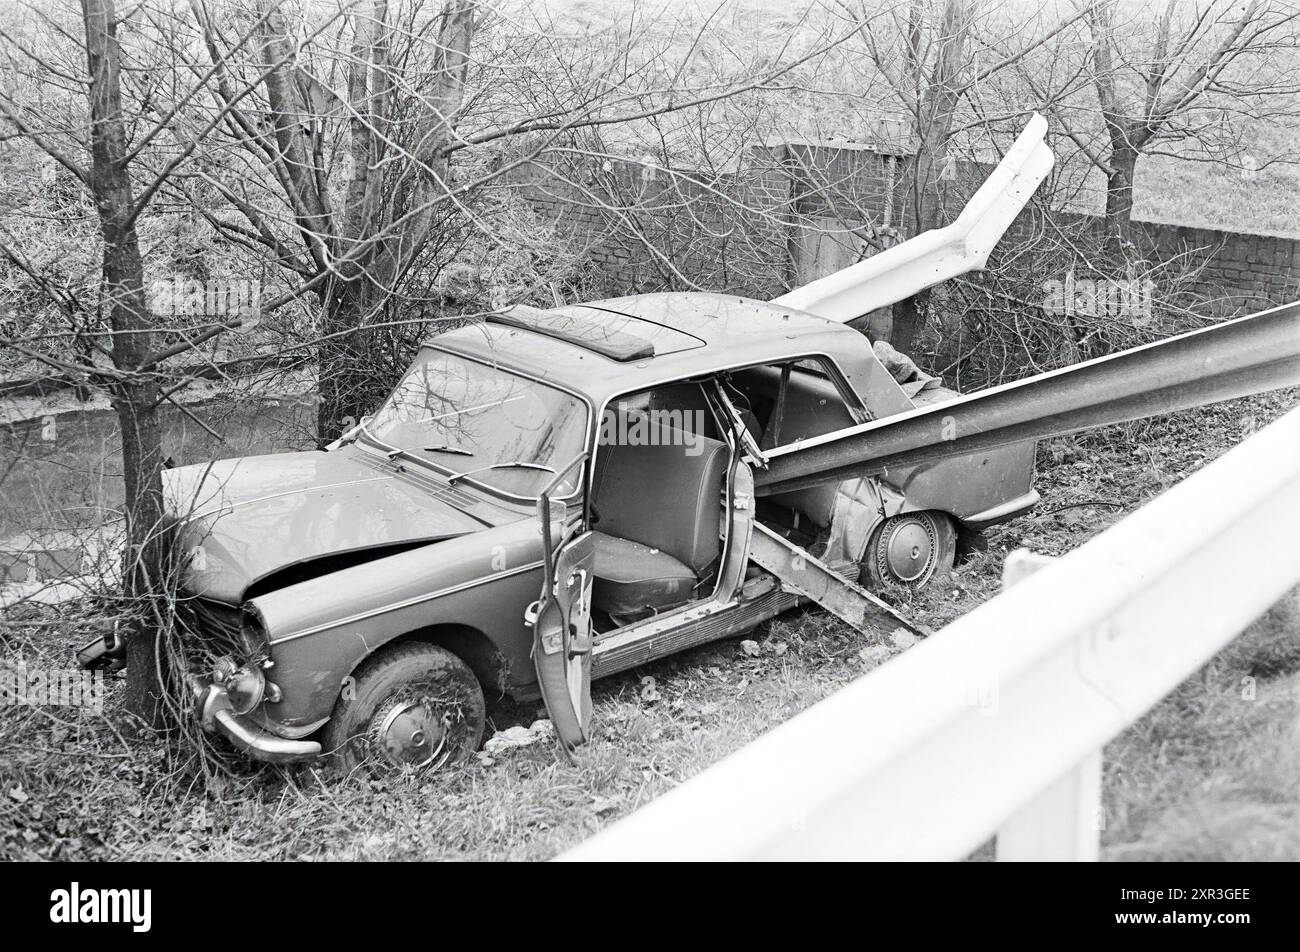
(1063, 821)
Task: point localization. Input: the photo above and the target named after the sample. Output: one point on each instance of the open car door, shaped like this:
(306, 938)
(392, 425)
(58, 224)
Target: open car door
(561, 617)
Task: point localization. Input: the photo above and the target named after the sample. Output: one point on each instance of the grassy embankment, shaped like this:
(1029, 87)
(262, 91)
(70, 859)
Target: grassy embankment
(1211, 772)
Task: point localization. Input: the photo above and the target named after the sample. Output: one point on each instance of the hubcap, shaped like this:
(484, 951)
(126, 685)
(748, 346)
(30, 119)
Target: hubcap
(410, 733)
(909, 549)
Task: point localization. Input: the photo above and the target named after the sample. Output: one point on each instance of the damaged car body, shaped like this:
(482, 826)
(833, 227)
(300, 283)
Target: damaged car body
(568, 489)
(550, 497)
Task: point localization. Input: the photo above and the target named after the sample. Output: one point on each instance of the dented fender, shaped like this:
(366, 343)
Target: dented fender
(321, 629)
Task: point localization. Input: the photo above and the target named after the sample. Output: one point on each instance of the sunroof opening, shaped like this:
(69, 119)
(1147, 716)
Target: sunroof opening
(611, 334)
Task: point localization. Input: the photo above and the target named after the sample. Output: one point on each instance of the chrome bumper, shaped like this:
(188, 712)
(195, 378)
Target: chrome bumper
(212, 706)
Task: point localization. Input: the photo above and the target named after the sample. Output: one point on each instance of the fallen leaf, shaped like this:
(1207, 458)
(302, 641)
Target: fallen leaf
(19, 795)
(874, 654)
(518, 736)
(749, 647)
(902, 638)
(601, 805)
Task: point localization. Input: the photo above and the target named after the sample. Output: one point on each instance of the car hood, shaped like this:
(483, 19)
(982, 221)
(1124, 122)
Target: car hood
(244, 519)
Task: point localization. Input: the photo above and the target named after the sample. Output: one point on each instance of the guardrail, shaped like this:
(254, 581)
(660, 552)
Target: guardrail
(995, 724)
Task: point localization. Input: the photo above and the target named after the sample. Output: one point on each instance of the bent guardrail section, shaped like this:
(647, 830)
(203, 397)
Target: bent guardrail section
(941, 253)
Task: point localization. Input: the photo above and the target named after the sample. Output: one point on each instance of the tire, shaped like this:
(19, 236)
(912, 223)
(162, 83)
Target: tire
(410, 707)
(912, 549)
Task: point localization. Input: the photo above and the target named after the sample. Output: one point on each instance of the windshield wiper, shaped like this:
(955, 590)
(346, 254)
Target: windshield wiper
(404, 451)
(513, 464)
(392, 452)
(388, 449)
(397, 451)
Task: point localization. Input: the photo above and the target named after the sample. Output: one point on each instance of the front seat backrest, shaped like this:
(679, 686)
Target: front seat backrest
(655, 493)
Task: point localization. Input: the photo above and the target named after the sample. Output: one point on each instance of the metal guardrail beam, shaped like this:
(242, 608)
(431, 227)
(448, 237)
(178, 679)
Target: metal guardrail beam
(941, 253)
(927, 756)
(801, 572)
(1233, 359)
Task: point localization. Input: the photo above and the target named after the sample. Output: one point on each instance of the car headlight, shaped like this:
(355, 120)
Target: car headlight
(246, 687)
(245, 684)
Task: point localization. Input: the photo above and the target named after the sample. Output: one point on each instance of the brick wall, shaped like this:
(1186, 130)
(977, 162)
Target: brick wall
(1235, 272)
(794, 211)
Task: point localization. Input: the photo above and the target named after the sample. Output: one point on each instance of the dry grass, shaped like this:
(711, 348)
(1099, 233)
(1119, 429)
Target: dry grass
(1213, 773)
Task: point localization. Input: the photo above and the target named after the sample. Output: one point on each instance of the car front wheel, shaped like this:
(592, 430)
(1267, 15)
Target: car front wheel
(409, 707)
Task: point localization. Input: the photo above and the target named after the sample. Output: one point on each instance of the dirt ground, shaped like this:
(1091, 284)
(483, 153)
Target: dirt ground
(1210, 773)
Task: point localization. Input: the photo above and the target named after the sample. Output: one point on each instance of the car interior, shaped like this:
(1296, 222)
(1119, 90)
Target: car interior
(655, 518)
(655, 501)
(811, 405)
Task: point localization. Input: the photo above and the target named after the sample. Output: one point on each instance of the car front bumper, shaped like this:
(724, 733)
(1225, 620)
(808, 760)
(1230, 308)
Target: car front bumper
(212, 706)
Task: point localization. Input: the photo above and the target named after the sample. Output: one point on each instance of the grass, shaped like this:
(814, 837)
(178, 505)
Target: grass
(1208, 773)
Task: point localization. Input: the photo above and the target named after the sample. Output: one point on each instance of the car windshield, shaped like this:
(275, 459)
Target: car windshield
(464, 417)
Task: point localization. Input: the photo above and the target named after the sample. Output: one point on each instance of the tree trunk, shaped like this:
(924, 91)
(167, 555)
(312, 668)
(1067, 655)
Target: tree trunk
(348, 384)
(1119, 202)
(934, 129)
(909, 320)
(146, 562)
(135, 398)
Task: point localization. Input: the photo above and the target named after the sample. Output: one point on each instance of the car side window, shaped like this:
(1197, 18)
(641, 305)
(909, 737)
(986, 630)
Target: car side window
(681, 406)
(789, 402)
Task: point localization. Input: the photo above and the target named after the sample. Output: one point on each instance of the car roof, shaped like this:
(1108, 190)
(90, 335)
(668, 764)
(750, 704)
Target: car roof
(690, 332)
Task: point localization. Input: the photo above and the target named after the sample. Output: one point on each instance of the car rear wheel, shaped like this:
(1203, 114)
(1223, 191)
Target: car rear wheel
(409, 707)
(912, 549)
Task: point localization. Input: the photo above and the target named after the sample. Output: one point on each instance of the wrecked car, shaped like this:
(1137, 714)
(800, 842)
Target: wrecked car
(548, 497)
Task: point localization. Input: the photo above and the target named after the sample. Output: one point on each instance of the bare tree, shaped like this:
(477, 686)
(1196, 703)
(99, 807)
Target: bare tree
(943, 65)
(368, 142)
(133, 348)
(1175, 84)
(937, 83)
